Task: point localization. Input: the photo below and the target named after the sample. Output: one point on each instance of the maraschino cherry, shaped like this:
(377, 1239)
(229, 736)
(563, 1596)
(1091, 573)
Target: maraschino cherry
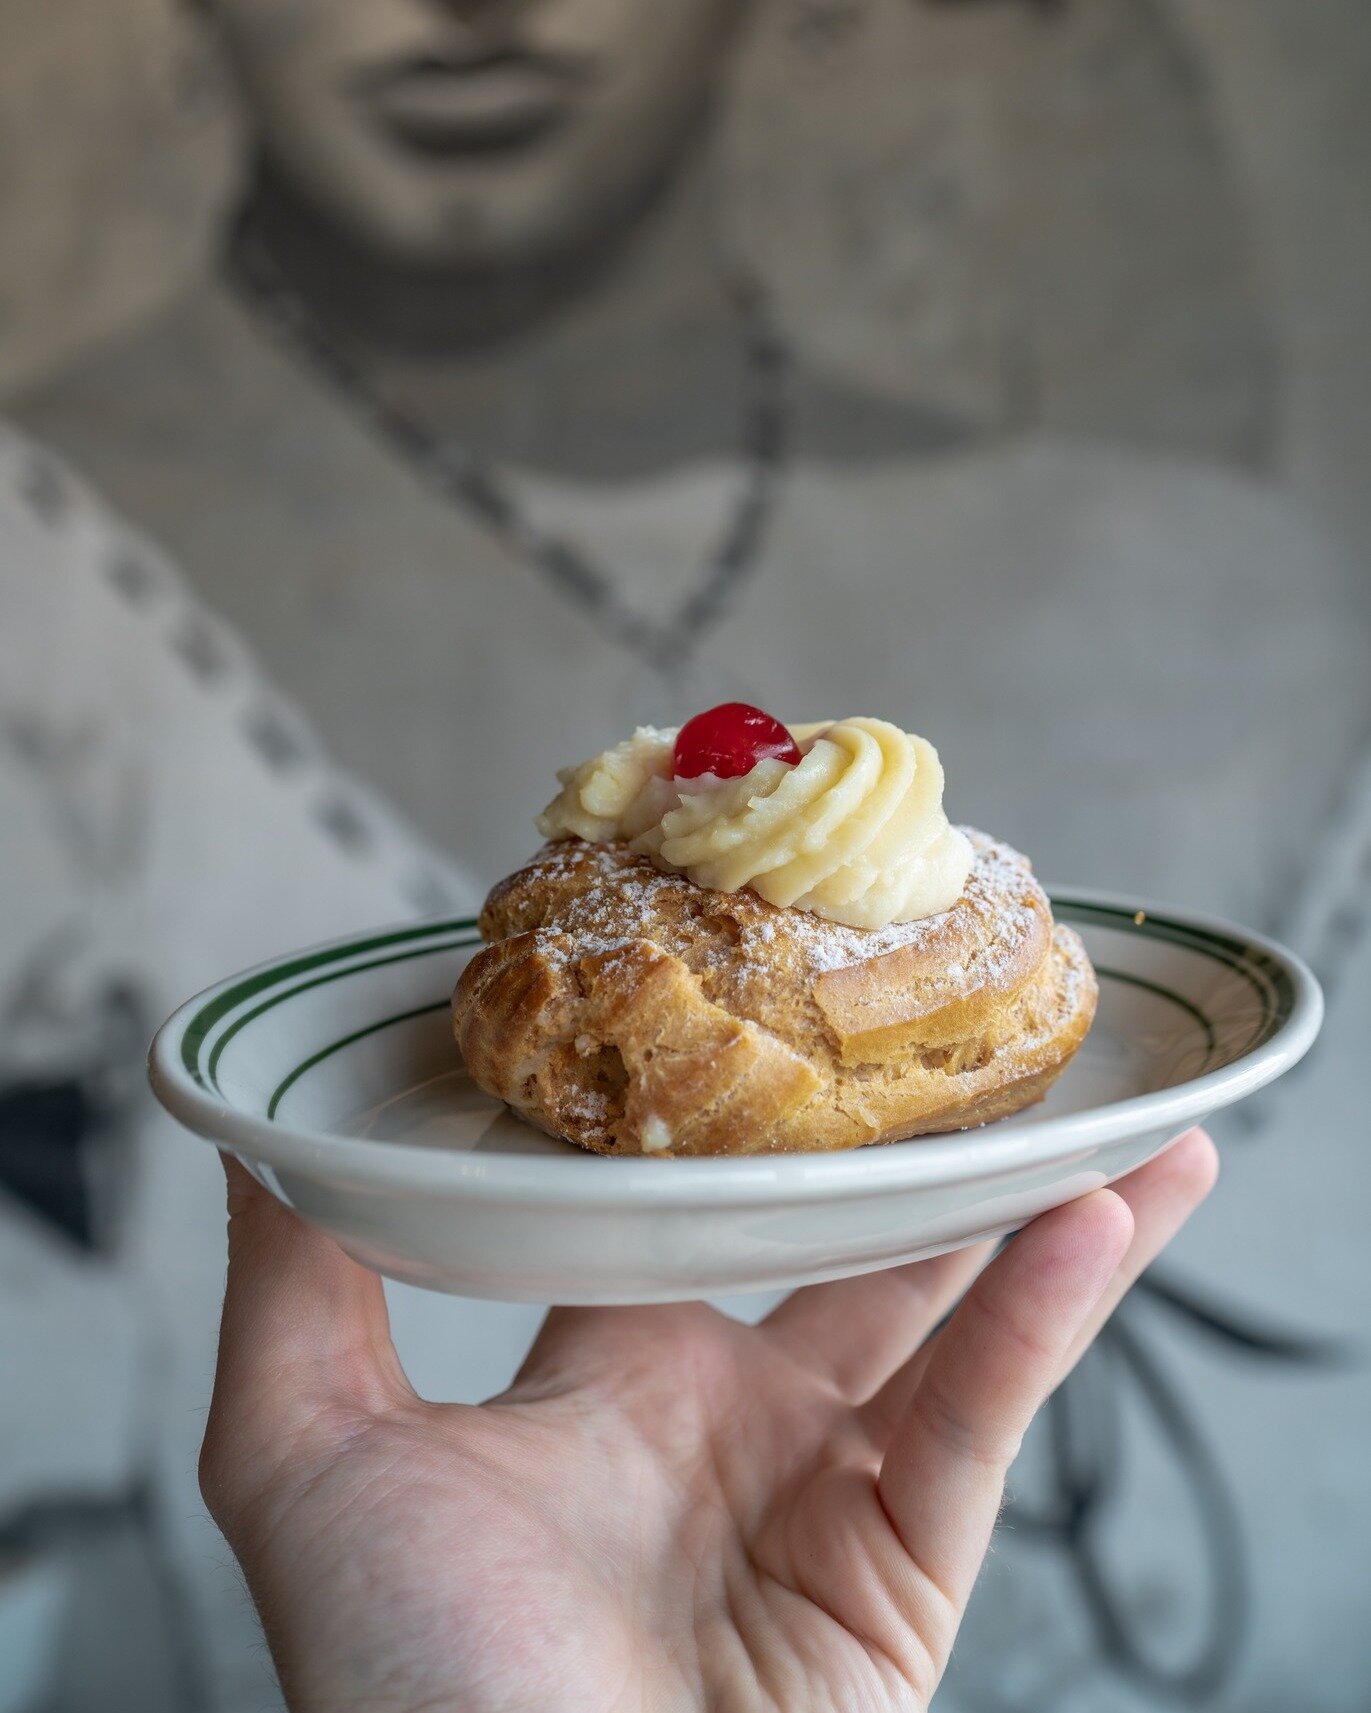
(729, 741)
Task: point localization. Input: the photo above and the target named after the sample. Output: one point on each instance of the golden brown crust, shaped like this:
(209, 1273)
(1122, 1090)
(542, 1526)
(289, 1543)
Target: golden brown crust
(634, 1012)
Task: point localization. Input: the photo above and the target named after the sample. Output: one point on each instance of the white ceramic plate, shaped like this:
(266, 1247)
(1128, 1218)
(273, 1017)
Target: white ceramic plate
(333, 1075)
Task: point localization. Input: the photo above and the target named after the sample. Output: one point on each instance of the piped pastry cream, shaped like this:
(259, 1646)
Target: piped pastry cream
(852, 830)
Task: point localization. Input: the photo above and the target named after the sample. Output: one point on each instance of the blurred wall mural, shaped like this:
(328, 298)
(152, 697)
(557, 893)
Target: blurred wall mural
(403, 398)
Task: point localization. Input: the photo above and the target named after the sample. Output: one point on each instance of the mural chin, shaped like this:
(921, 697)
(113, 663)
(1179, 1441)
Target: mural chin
(477, 137)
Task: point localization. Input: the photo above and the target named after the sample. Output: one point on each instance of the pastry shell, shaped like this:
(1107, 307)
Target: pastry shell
(633, 1012)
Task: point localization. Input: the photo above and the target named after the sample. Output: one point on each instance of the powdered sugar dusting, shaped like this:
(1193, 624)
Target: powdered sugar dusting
(603, 919)
(599, 919)
(832, 945)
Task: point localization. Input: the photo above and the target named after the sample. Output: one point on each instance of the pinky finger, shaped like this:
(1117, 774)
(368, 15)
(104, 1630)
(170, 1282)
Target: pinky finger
(1000, 1355)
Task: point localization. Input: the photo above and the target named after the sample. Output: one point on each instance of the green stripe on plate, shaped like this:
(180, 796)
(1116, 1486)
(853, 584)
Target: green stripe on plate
(347, 1041)
(1210, 1039)
(212, 1068)
(1275, 992)
(205, 1019)
(292, 1077)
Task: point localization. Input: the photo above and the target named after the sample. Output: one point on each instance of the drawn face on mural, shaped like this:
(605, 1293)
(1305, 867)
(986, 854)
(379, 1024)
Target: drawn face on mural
(459, 133)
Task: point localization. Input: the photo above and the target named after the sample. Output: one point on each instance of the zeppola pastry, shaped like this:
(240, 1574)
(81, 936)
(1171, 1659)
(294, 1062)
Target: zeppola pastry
(742, 937)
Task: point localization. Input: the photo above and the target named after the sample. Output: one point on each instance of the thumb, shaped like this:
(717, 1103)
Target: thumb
(304, 1340)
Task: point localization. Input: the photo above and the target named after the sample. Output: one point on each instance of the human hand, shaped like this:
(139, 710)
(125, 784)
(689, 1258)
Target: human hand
(666, 1510)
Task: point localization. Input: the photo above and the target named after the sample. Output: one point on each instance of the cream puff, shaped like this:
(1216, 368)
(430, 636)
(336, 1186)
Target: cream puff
(742, 937)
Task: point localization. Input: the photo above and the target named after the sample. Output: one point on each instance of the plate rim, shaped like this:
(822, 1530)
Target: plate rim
(586, 1180)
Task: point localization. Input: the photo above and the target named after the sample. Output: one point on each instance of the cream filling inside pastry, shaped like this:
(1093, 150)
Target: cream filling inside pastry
(855, 832)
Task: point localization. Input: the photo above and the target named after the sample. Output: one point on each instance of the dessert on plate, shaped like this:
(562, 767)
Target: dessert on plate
(744, 937)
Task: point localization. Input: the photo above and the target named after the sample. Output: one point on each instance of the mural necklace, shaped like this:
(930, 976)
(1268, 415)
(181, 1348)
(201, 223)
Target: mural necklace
(475, 484)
